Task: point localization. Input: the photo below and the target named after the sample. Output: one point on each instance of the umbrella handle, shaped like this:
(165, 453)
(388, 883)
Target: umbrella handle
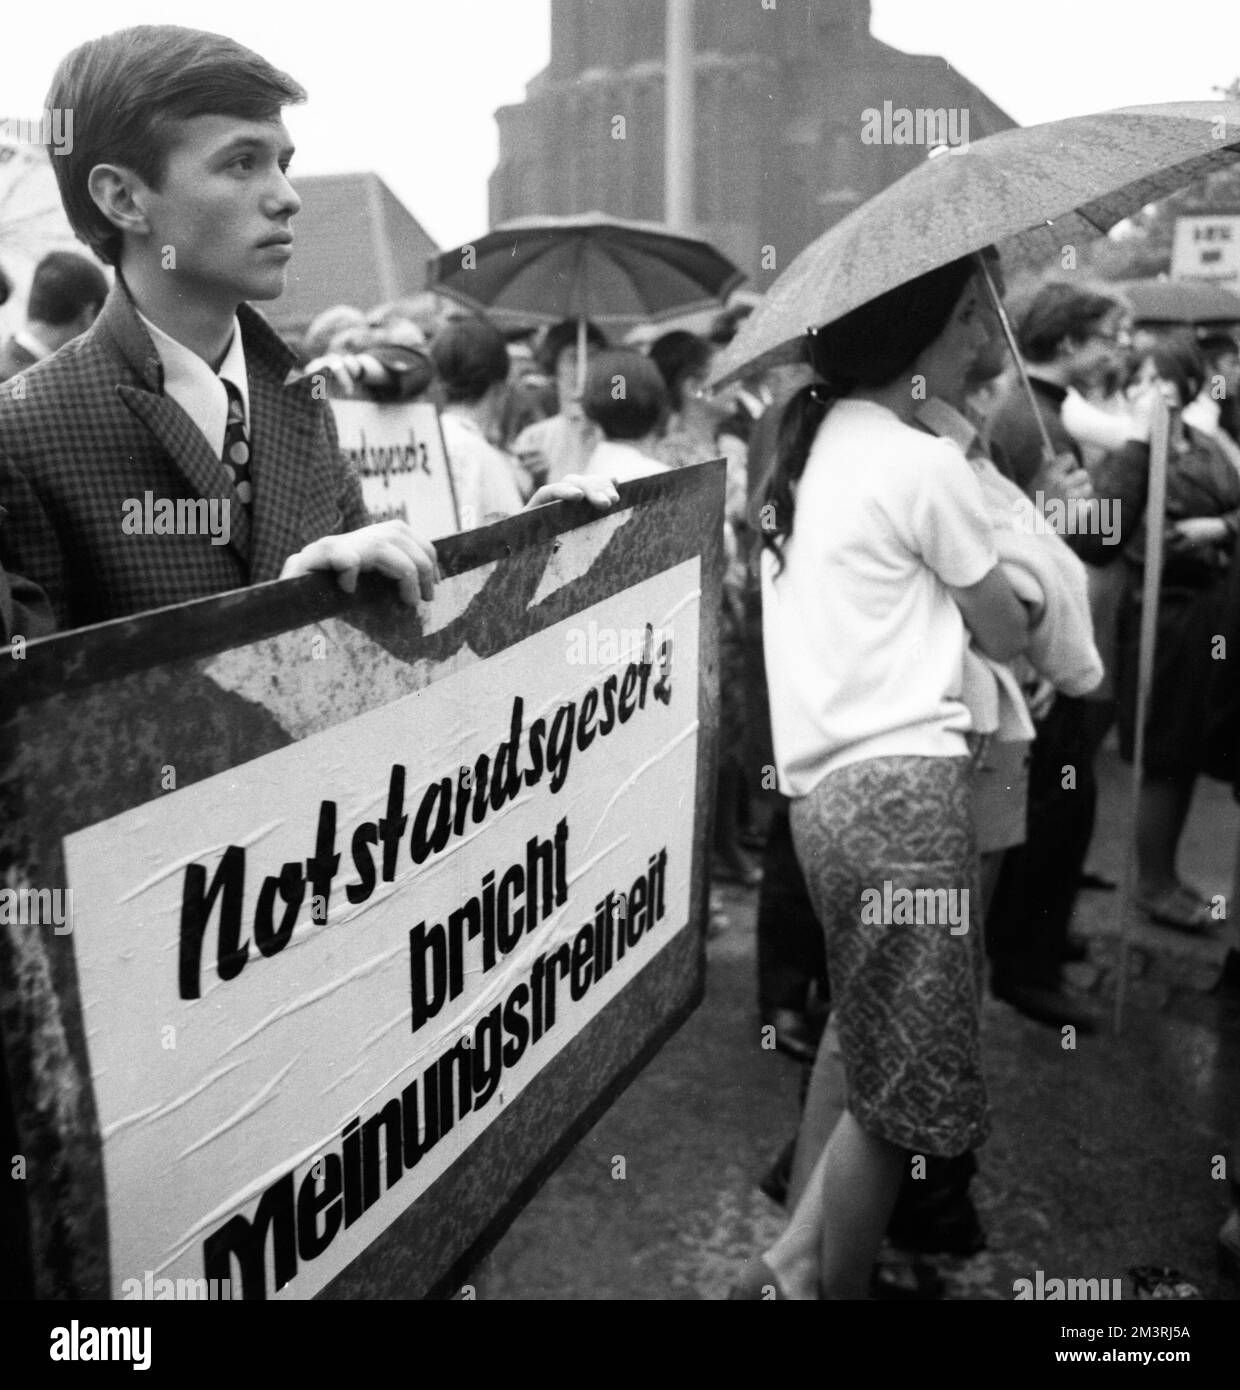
(1048, 449)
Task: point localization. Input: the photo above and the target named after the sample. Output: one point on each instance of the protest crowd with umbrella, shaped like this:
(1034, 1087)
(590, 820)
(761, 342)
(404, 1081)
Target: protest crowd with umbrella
(1076, 419)
(965, 544)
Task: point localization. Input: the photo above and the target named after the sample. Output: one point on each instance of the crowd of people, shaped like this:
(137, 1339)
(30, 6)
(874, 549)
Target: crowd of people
(943, 666)
(906, 639)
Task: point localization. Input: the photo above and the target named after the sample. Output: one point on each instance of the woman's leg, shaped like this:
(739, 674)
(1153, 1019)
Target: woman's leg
(868, 825)
(835, 1231)
(1161, 813)
(860, 1179)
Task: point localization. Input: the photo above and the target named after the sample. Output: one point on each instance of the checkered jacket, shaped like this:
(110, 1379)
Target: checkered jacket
(24, 610)
(90, 427)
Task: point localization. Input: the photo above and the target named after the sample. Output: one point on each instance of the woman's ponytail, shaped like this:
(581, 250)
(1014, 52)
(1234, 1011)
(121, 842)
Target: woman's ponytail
(799, 423)
(870, 346)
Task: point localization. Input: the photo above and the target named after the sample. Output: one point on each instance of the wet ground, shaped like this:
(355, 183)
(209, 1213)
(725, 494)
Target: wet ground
(1101, 1158)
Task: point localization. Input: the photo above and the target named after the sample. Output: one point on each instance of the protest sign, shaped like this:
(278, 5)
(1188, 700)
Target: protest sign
(371, 910)
(399, 453)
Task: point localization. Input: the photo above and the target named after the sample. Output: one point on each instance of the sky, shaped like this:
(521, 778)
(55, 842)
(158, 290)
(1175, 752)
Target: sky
(410, 90)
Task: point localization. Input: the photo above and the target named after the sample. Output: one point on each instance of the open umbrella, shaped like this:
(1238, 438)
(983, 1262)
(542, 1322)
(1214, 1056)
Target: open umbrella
(591, 266)
(588, 267)
(1032, 191)
(1181, 301)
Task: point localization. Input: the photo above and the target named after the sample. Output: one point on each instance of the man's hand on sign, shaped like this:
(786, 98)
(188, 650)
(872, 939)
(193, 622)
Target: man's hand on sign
(599, 492)
(391, 547)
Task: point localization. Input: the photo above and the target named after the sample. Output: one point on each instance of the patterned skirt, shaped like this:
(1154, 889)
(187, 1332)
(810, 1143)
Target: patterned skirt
(888, 850)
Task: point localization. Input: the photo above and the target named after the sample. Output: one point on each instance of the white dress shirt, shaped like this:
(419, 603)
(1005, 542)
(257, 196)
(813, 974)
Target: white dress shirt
(199, 391)
(620, 461)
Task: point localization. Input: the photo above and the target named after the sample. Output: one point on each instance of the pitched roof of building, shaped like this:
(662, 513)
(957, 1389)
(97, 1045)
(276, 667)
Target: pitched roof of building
(355, 243)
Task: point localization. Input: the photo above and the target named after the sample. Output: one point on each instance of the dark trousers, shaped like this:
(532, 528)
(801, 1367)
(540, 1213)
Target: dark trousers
(1027, 925)
(792, 955)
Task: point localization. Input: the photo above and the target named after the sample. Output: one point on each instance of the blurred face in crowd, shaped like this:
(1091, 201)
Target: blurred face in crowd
(1101, 351)
(223, 209)
(968, 346)
(992, 355)
(1146, 378)
(1226, 365)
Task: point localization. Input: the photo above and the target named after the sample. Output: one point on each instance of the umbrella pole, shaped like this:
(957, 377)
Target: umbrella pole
(996, 301)
(581, 357)
(1160, 431)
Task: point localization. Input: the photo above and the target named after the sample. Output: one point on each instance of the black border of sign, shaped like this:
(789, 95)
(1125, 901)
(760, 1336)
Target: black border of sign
(111, 651)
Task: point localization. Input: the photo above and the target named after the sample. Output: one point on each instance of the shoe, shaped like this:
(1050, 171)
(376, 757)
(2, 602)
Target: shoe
(795, 1035)
(1161, 1282)
(1176, 908)
(1088, 881)
(905, 1281)
(1046, 1004)
(757, 1284)
(949, 1226)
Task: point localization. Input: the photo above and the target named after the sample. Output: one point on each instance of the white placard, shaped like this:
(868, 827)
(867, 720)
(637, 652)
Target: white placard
(398, 450)
(1206, 247)
(259, 1086)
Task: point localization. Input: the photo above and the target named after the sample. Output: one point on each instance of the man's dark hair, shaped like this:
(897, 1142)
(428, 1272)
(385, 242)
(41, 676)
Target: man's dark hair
(6, 286)
(470, 356)
(129, 92)
(624, 395)
(64, 284)
(678, 356)
(1057, 312)
(564, 335)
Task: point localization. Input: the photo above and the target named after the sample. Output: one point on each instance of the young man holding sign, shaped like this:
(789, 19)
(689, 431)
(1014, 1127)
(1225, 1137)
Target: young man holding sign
(166, 455)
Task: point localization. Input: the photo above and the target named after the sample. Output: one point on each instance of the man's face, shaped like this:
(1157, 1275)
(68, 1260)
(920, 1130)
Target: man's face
(1101, 350)
(220, 220)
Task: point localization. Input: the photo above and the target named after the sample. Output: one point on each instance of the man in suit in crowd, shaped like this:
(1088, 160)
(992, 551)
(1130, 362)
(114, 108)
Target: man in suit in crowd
(66, 294)
(178, 399)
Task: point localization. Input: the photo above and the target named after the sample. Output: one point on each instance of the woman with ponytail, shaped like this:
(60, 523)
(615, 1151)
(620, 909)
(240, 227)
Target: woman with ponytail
(878, 566)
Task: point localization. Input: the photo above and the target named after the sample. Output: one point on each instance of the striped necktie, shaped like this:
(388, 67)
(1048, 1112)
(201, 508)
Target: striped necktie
(236, 458)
